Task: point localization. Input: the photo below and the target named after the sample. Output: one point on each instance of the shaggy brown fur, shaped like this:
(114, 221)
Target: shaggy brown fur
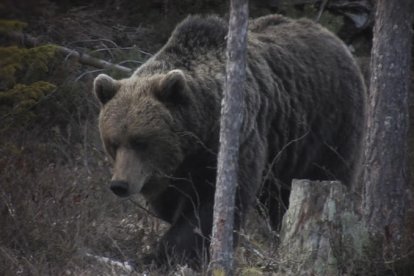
(304, 115)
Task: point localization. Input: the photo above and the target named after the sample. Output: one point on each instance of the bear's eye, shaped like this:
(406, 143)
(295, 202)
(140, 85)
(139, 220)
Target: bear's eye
(112, 147)
(139, 144)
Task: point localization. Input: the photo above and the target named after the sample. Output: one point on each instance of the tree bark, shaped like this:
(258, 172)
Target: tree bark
(230, 125)
(321, 232)
(385, 172)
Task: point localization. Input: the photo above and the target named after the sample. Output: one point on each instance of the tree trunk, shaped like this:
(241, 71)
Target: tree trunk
(230, 125)
(385, 172)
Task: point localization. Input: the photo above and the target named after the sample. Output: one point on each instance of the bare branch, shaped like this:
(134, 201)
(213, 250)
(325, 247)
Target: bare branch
(321, 10)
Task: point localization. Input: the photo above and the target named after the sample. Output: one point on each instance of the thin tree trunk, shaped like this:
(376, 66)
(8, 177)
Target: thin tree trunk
(385, 172)
(230, 125)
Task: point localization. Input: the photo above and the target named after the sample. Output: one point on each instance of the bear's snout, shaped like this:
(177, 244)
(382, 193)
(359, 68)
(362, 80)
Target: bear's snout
(120, 188)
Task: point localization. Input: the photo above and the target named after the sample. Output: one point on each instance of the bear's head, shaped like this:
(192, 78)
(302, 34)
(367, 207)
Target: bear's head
(139, 130)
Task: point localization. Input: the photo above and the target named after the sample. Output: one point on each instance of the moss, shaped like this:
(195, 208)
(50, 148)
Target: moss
(24, 75)
(20, 100)
(11, 25)
(10, 62)
(16, 62)
(37, 60)
(22, 93)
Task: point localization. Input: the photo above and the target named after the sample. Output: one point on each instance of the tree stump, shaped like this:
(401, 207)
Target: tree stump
(321, 232)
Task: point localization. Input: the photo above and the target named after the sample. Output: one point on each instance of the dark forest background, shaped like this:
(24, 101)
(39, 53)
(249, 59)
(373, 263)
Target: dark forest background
(57, 215)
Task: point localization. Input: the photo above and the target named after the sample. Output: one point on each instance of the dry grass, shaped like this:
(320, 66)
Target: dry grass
(54, 212)
(55, 207)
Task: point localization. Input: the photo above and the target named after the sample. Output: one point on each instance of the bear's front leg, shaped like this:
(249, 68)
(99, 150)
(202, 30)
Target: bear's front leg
(188, 239)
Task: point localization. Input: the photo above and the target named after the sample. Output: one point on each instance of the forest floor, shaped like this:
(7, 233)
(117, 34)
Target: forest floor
(57, 215)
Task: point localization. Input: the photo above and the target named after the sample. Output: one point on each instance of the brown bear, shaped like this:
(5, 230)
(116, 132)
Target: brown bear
(304, 118)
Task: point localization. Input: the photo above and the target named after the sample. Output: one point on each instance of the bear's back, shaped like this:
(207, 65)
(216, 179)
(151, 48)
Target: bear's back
(307, 96)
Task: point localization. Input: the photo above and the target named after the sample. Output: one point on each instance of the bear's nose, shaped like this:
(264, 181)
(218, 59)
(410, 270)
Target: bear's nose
(120, 188)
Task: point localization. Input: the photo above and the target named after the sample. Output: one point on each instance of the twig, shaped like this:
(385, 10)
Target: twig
(126, 266)
(85, 73)
(321, 9)
(95, 40)
(89, 60)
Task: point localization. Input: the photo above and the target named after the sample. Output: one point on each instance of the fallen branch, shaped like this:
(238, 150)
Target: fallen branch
(30, 41)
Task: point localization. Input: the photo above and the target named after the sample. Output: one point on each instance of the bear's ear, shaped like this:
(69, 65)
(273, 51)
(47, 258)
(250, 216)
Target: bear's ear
(173, 87)
(105, 88)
